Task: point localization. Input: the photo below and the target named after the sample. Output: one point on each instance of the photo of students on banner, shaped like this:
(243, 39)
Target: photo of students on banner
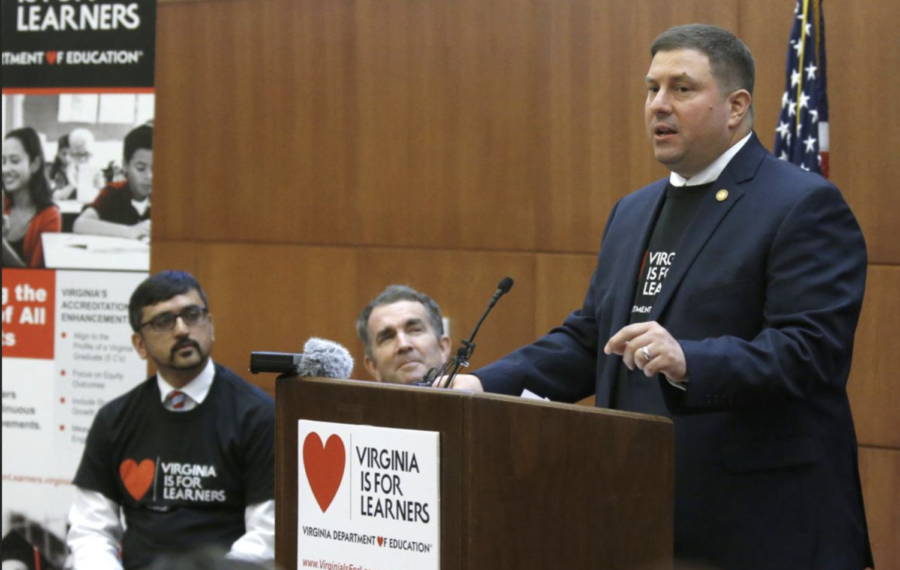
(122, 209)
(77, 181)
(28, 208)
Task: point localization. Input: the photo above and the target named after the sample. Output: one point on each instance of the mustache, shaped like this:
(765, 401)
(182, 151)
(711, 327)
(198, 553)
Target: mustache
(185, 344)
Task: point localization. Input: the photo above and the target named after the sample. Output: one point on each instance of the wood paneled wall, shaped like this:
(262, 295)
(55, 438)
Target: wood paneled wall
(311, 152)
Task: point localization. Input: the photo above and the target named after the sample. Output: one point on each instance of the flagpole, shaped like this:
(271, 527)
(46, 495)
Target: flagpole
(800, 55)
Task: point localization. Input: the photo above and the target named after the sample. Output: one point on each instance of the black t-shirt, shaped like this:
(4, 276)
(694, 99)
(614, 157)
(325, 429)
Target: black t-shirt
(635, 392)
(183, 479)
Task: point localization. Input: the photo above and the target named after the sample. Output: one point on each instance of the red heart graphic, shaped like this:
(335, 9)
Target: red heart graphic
(51, 57)
(137, 478)
(324, 467)
(380, 541)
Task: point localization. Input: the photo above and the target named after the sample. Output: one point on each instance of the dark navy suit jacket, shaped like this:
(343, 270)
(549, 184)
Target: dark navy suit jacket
(764, 297)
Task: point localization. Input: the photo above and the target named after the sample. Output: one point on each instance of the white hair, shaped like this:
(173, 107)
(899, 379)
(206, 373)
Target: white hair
(81, 138)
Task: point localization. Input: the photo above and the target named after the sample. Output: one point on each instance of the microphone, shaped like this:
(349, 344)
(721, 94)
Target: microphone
(321, 358)
(464, 353)
(325, 359)
(502, 289)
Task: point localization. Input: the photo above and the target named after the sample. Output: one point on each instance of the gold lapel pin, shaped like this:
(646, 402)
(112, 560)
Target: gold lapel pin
(722, 195)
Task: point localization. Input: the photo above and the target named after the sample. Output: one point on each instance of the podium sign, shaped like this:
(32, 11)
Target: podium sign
(368, 497)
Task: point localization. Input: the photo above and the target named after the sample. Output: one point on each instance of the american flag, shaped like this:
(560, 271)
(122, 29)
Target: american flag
(802, 134)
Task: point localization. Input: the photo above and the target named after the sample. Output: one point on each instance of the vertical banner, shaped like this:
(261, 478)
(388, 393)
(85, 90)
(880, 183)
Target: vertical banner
(78, 113)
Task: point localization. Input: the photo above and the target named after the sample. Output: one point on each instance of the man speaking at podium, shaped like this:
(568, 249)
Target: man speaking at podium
(725, 297)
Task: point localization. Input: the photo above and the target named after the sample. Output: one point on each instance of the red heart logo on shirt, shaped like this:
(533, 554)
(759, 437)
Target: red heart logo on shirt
(324, 467)
(380, 541)
(137, 478)
(51, 57)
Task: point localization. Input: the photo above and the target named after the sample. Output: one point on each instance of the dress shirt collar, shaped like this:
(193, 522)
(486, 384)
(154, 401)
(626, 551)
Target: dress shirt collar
(140, 206)
(197, 389)
(710, 173)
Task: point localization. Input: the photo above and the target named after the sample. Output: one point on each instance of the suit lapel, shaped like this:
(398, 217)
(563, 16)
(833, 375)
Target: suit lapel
(712, 211)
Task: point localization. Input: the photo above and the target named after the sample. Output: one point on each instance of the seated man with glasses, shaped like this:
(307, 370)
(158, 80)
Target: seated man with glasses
(186, 458)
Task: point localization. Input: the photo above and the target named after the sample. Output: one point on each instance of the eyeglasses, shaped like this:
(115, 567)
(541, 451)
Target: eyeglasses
(191, 316)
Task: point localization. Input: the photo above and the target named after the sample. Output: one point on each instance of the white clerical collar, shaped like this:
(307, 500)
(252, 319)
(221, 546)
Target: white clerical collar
(711, 172)
(197, 389)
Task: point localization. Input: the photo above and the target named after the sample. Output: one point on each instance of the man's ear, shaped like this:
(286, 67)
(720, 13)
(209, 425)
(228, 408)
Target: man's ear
(445, 347)
(138, 342)
(370, 366)
(740, 102)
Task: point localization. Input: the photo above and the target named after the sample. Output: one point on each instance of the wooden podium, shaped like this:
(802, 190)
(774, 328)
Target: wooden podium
(525, 484)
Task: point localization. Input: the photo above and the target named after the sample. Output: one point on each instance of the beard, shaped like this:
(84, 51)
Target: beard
(174, 360)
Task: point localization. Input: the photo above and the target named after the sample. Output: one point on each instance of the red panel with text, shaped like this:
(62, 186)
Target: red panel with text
(29, 313)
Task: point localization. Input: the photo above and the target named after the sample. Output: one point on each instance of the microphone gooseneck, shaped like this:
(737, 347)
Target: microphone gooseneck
(464, 352)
